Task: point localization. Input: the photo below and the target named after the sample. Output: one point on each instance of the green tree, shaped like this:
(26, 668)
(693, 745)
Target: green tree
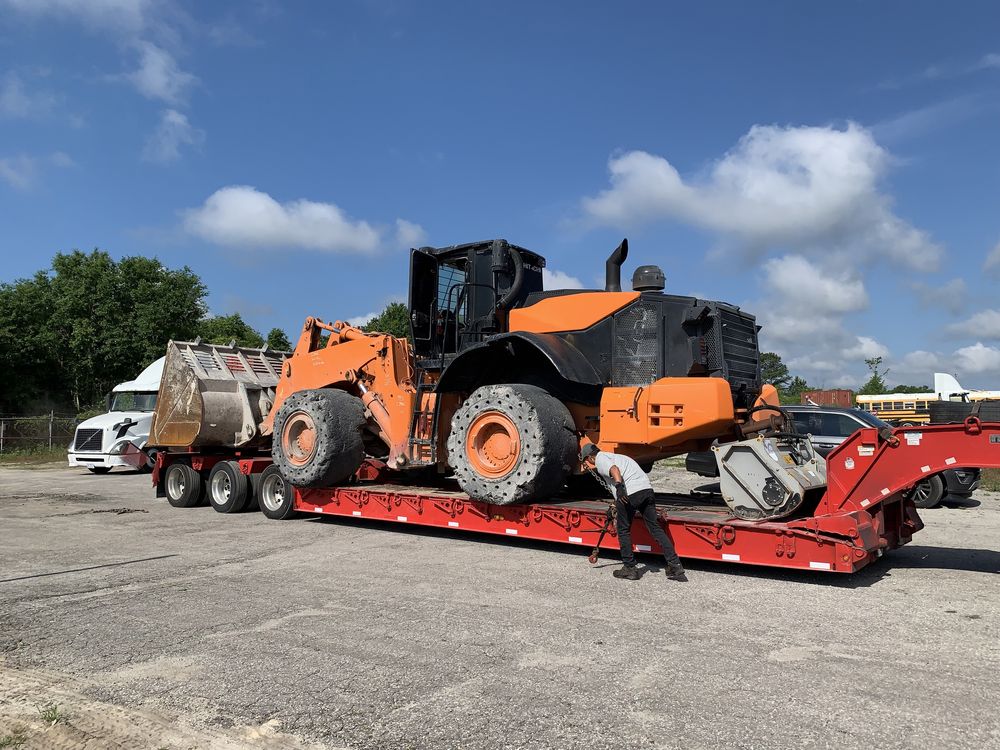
(793, 393)
(394, 320)
(911, 389)
(774, 371)
(70, 333)
(221, 329)
(277, 340)
(876, 383)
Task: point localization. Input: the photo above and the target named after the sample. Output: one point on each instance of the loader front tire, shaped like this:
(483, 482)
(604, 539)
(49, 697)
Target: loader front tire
(318, 437)
(512, 444)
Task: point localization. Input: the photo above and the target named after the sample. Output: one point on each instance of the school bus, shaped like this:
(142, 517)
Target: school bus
(901, 409)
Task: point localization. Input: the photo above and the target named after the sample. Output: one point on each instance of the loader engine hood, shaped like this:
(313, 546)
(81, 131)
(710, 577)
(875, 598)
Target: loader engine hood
(636, 338)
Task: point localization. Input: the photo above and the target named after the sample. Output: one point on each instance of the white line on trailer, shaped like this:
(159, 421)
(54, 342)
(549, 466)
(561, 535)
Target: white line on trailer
(453, 524)
(925, 469)
(401, 518)
(355, 512)
(819, 565)
(950, 461)
(643, 548)
(730, 557)
(512, 532)
(576, 539)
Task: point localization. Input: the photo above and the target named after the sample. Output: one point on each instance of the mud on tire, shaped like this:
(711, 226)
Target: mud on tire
(317, 437)
(533, 465)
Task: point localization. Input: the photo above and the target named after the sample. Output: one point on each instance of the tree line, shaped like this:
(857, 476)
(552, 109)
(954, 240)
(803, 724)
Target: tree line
(791, 387)
(73, 331)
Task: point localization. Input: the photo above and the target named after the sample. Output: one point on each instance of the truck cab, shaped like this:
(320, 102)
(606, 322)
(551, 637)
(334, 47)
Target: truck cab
(118, 437)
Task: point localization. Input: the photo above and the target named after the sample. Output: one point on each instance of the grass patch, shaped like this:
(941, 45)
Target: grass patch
(674, 462)
(34, 456)
(51, 715)
(989, 479)
(14, 739)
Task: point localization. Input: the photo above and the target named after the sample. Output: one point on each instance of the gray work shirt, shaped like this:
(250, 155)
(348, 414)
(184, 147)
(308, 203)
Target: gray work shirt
(636, 480)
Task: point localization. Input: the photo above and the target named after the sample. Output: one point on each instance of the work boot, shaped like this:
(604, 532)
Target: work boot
(628, 572)
(676, 572)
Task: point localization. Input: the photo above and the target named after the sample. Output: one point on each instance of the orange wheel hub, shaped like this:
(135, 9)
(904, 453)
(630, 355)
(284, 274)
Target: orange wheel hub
(298, 438)
(493, 444)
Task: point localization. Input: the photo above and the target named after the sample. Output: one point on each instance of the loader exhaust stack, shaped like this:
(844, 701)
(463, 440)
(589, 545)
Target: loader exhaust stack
(214, 396)
(613, 268)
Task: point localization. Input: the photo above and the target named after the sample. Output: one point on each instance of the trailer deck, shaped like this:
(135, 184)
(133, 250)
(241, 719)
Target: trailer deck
(863, 513)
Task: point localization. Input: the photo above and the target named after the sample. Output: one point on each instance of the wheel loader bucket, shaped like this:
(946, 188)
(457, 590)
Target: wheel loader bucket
(214, 396)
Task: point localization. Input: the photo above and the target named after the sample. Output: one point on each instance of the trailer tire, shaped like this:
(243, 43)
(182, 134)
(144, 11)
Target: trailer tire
(927, 493)
(228, 487)
(182, 485)
(318, 437)
(276, 496)
(512, 444)
(253, 499)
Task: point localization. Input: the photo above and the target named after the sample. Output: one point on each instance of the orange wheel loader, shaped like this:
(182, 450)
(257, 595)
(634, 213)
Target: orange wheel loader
(498, 384)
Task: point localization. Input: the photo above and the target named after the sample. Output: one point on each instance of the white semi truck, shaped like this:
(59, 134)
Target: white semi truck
(118, 438)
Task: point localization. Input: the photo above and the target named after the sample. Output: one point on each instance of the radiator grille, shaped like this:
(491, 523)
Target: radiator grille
(738, 334)
(88, 439)
(637, 345)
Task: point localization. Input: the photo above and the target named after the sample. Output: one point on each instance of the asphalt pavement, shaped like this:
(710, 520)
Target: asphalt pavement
(150, 626)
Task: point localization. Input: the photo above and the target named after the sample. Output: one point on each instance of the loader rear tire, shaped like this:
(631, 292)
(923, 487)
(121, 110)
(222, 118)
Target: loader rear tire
(183, 486)
(512, 444)
(318, 437)
(228, 487)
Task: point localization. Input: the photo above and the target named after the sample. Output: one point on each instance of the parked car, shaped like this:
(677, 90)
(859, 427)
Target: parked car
(829, 426)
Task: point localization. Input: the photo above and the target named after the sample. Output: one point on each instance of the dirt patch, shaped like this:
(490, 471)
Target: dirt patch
(45, 709)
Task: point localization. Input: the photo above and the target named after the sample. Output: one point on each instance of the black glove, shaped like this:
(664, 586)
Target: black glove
(620, 494)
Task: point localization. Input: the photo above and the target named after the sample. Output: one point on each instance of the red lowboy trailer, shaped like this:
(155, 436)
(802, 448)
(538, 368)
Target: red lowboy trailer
(863, 513)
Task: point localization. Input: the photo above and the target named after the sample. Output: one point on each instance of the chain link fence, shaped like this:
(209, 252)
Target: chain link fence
(26, 434)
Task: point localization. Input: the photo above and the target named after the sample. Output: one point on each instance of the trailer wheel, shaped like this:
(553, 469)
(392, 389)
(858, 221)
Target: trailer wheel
(183, 486)
(277, 496)
(228, 487)
(253, 500)
(317, 437)
(512, 444)
(927, 493)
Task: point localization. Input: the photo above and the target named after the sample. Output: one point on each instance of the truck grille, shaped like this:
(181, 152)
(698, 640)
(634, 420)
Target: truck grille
(88, 439)
(637, 345)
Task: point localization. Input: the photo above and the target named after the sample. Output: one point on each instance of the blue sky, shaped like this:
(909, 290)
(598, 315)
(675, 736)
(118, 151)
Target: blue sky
(835, 171)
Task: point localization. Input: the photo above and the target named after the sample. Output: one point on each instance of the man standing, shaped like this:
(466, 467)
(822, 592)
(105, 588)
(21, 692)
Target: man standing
(633, 493)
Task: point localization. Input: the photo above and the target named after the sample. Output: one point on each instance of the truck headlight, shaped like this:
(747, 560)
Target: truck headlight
(118, 448)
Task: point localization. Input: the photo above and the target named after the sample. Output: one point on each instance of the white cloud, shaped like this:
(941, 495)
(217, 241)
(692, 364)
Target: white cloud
(362, 320)
(19, 172)
(978, 358)
(61, 159)
(409, 234)
(991, 60)
(794, 281)
(553, 279)
(948, 295)
(16, 102)
(813, 189)
(992, 262)
(173, 132)
(22, 171)
(985, 324)
(242, 216)
(864, 347)
(120, 15)
(158, 75)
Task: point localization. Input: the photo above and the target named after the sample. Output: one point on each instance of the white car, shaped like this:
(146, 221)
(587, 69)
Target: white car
(118, 438)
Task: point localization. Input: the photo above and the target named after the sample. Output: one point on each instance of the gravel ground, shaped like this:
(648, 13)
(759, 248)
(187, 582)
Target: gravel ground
(167, 628)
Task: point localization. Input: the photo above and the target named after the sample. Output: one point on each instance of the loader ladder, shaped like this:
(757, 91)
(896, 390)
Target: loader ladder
(423, 450)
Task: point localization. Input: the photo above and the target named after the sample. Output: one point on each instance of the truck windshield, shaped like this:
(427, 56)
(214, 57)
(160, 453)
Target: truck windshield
(133, 401)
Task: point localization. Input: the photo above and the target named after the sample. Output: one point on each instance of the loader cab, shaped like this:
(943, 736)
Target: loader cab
(461, 294)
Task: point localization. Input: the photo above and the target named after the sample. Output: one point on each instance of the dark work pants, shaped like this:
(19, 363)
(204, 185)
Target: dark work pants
(644, 503)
